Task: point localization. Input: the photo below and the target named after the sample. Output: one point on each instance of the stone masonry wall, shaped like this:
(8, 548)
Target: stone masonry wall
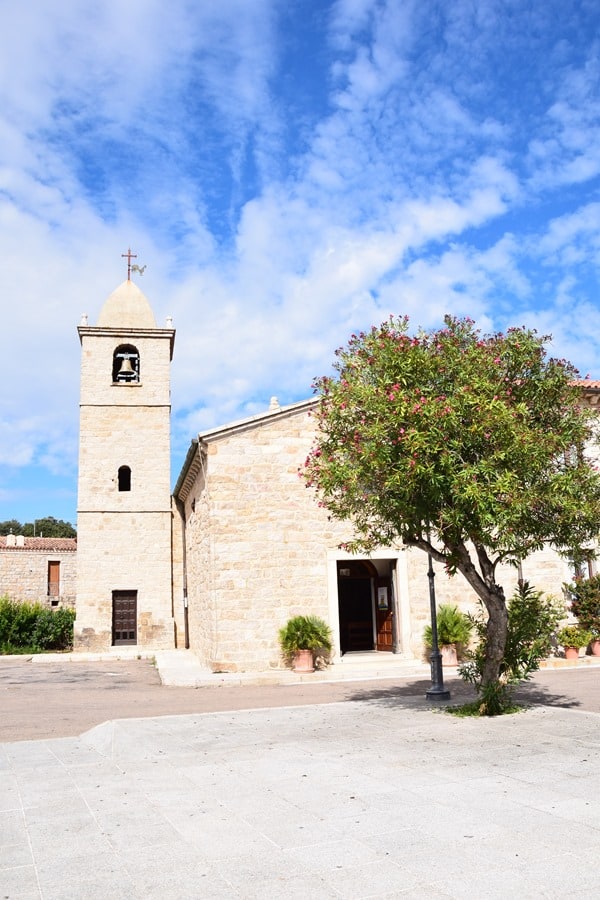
(545, 571)
(257, 545)
(126, 553)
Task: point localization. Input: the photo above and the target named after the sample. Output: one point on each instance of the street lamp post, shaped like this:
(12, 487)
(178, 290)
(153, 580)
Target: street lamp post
(437, 691)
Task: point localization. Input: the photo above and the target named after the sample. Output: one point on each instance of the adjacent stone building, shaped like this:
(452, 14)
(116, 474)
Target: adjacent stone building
(38, 569)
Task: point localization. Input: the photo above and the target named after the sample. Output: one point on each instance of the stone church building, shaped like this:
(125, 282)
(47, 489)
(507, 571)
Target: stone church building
(241, 544)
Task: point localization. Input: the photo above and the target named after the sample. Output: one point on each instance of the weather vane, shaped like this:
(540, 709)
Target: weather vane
(135, 268)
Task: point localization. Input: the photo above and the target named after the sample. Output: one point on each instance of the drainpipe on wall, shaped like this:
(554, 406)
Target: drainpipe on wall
(186, 625)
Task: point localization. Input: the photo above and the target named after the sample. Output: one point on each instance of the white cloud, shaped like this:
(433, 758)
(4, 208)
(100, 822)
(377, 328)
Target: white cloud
(420, 176)
(573, 237)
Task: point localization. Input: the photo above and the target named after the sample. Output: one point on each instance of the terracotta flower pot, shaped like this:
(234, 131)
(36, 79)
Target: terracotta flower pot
(571, 653)
(449, 655)
(304, 661)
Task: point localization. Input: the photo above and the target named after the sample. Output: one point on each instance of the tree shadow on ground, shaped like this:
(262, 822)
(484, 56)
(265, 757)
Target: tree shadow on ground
(413, 695)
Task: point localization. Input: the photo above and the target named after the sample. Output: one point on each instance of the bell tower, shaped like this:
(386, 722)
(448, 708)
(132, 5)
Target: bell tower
(124, 584)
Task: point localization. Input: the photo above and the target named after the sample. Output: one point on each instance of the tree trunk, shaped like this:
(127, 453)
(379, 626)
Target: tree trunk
(492, 596)
(497, 630)
(490, 593)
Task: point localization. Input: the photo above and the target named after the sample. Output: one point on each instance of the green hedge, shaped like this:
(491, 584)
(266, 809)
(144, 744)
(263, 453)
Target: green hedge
(33, 628)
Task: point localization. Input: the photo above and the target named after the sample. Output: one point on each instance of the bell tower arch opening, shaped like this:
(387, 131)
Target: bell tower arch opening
(126, 364)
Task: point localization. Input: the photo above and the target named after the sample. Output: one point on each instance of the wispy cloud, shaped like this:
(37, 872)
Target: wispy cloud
(289, 173)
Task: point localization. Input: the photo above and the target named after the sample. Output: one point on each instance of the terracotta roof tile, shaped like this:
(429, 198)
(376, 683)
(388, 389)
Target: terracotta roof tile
(47, 545)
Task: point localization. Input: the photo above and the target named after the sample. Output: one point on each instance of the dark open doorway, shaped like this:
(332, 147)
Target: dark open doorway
(365, 605)
(355, 600)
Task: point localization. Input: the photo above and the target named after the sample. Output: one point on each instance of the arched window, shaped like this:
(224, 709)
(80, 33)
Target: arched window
(124, 478)
(126, 364)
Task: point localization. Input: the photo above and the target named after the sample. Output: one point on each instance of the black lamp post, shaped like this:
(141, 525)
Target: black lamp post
(437, 691)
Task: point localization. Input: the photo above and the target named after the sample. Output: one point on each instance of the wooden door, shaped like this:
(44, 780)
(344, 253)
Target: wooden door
(53, 579)
(124, 624)
(384, 614)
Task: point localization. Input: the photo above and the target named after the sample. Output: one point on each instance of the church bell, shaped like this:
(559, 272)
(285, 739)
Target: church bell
(126, 372)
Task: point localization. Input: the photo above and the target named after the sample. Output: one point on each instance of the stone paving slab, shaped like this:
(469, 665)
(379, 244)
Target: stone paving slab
(352, 800)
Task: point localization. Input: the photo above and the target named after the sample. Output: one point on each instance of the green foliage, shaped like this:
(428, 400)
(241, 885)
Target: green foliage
(574, 636)
(17, 622)
(585, 603)
(305, 633)
(478, 708)
(46, 527)
(33, 628)
(11, 526)
(54, 629)
(532, 621)
(453, 626)
(468, 435)
(465, 446)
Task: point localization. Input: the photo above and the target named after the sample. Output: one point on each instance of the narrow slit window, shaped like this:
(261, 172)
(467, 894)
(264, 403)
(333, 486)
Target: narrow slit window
(124, 478)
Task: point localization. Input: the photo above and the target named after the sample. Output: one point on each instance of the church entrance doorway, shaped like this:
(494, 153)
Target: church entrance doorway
(365, 607)
(124, 617)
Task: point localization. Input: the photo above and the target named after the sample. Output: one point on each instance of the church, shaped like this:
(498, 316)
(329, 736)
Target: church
(240, 545)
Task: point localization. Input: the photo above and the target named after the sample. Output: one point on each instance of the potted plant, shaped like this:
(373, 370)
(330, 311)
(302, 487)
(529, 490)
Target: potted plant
(301, 637)
(584, 594)
(454, 632)
(573, 638)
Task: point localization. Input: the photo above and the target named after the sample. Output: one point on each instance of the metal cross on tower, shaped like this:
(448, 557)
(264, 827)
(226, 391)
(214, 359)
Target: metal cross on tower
(129, 256)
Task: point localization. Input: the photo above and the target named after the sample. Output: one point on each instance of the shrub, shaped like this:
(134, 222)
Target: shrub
(17, 621)
(53, 629)
(532, 622)
(31, 627)
(574, 636)
(584, 594)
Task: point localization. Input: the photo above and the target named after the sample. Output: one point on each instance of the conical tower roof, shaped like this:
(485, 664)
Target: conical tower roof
(126, 307)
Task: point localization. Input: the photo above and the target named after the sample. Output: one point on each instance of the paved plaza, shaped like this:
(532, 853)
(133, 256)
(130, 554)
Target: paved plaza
(377, 797)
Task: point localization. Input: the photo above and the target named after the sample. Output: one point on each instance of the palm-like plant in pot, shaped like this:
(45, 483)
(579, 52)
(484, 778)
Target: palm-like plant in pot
(301, 637)
(453, 630)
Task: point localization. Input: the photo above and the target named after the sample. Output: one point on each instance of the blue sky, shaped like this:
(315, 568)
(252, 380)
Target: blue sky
(289, 171)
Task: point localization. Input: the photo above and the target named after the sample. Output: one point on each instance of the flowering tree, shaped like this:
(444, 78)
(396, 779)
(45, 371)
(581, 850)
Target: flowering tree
(468, 447)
